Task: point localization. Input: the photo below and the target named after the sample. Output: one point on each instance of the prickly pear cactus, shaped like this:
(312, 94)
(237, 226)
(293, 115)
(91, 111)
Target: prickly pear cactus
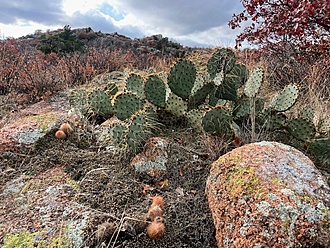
(126, 104)
(182, 78)
(301, 128)
(243, 108)
(219, 121)
(199, 95)
(100, 103)
(176, 106)
(320, 148)
(307, 113)
(285, 99)
(254, 82)
(194, 118)
(155, 90)
(135, 83)
(222, 60)
(78, 100)
(141, 128)
(111, 89)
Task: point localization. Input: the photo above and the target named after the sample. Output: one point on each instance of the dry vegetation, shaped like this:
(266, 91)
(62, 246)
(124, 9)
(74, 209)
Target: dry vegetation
(28, 76)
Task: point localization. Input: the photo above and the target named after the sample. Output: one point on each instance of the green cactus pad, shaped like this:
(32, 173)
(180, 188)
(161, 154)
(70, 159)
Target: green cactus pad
(135, 83)
(176, 106)
(111, 89)
(100, 103)
(243, 108)
(200, 95)
(254, 82)
(307, 113)
(194, 118)
(285, 99)
(182, 78)
(218, 121)
(126, 104)
(155, 90)
(320, 148)
(228, 89)
(78, 100)
(301, 128)
(140, 129)
(239, 74)
(222, 60)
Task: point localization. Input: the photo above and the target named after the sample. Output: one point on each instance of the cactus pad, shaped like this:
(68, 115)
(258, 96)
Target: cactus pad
(100, 103)
(78, 99)
(218, 121)
(182, 78)
(176, 106)
(320, 148)
(126, 104)
(285, 99)
(222, 60)
(135, 83)
(254, 82)
(301, 128)
(155, 91)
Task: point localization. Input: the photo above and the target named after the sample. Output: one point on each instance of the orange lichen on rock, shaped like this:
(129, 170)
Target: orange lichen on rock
(156, 229)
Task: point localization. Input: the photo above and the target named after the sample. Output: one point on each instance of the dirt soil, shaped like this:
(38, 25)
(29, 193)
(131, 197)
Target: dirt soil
(106, 185)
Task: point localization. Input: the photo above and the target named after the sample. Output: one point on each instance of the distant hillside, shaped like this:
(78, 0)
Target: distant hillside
(155, 44)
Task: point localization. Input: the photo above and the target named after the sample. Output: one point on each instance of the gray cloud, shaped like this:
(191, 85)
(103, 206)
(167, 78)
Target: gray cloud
(190, 22)
(39, 11)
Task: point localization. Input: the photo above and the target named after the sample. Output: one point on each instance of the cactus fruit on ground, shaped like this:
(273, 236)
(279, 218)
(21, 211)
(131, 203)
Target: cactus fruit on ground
(100, 103)
(78, 100)
(219, 121)
(320, 148)
(301, 128)
(126, 104)
(135, 83)
(285, 99)
(181, 78)
(254, 82)
(155, 90)
(199, 95)
(222, 60)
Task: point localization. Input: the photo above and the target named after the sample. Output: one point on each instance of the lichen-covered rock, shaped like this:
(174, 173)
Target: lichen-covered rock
(268, 195)
(152, 161)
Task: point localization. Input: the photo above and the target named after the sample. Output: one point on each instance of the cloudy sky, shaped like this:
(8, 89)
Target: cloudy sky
(189, 22)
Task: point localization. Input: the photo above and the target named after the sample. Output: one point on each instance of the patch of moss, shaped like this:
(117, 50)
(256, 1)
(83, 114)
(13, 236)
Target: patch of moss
(30, 240)
(240, 180)
(43, 120)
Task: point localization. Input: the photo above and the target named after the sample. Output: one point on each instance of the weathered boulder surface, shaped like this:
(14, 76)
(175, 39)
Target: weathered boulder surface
(152, 161)
(268, 194)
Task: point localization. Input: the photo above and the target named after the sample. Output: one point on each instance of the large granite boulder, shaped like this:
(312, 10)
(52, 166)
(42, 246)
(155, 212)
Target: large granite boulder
(268, 195)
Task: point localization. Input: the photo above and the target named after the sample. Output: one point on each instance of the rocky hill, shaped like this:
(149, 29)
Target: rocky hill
(155, 44)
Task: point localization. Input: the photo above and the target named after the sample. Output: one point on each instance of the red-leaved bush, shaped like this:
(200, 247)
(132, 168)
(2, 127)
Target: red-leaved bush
(305, 24)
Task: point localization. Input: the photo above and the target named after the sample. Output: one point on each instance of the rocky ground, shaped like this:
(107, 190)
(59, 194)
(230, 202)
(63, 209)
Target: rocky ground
(58, 192)
(62, 192)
